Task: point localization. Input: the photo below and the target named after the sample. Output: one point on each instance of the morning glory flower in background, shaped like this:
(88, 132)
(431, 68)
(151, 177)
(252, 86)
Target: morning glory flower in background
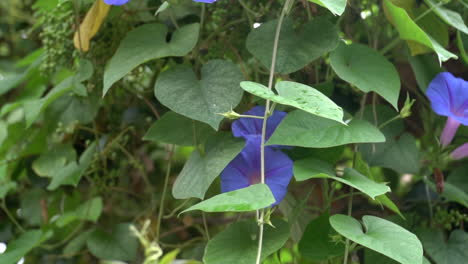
(460, 152)
(205, 1)
(449, 97)
(244, 170)
(116, 2)
(121, 2)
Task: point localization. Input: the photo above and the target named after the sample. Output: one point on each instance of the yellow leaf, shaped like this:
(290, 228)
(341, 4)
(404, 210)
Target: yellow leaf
(90, 25)
(170, 257)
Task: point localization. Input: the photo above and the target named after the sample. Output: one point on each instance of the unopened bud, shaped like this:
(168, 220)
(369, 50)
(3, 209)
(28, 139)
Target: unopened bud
(231, 115)
(406, 110)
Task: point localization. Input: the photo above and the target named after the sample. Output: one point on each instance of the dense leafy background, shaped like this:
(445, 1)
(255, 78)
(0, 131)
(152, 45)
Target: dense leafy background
(106, 150)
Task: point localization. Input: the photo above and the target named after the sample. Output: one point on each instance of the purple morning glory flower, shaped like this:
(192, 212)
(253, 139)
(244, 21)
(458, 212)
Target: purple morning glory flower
(449, 97)
(116, 2)
(460, 152)
(121, 2)
(251, 128)
(244, 170)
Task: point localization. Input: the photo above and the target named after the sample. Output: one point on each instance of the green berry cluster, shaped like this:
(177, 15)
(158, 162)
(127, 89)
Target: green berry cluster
(57, 37)
(449, 219)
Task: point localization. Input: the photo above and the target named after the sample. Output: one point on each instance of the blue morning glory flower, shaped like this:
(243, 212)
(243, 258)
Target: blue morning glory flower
(449, 97)
(116, 2)
(244, 170)
(121, 2)
(251, 128)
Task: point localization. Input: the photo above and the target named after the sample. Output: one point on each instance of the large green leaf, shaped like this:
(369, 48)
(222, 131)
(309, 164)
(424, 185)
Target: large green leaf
(119, 244)
(5, 188)
(304, 130)
(30, 202)
(33, 108)
(372, 257)
(410, 31)
(90, 210)
(425, 68)
(295, 50)
(238, 243)
(3, 131)
(382, 236)
(454, 193)
(462, 44)
(400, 154)
(71, 174)
(296, 213)
(445, 251)
(217, 92)
(11, 79)
(457, 177)
(337, 7)
(312, 168)
(201, 169)
(53, 160)
(251, 198)
(366, 69)
(145, 43)
(298, 95)
(183, 131)
(316, 243)
(448, 16)
(77, 243)
(19, 247)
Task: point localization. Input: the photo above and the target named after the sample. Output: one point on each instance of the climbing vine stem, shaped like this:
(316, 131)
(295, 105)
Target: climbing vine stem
(261, 215)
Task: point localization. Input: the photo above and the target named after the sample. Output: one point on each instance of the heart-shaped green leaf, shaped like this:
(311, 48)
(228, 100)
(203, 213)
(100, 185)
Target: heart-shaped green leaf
(238, 244)
(312, 168)
(19, 247)
(337, 7)
(445, 251)
(410, 31)
(120, 244)
(201, 170)
(71, 174)
(448, 16)
(401, 155)
(382, 236)
(372, 257)
(217, 92)
(251, 198)
(366, 69)
(295, 50)
(184, 131)
(298, 95)
(53, 160)
(301, 129)
(145, 43)
(316, 243)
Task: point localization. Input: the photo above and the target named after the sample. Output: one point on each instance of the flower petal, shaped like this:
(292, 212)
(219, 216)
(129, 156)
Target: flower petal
(449, 96)
(451, 127)
(460, 152)
(278, 172)
(244, 170)
(205, 1)
(116, 2)
(252, 127)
